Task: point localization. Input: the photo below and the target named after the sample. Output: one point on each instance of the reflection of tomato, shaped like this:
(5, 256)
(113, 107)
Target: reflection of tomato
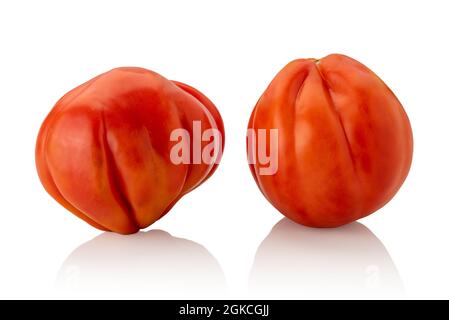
(153, 261)
(299, 262)
(103, 152)
(345, 142)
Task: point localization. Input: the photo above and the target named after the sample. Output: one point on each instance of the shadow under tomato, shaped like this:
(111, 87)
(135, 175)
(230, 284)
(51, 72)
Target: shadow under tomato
(152, 264)
(300, 262)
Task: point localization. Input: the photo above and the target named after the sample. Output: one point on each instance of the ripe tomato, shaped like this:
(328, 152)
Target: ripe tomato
(104, 151)
(343, 141)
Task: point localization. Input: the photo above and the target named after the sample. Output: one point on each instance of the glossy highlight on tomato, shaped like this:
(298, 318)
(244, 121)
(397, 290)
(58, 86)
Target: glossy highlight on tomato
(344, 141)
(103, 152)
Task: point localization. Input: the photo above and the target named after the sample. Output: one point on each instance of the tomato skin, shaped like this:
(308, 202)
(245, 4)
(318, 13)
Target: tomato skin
(103, 152)
(345, 142)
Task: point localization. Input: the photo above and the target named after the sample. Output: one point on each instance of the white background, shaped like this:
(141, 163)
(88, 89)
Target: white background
(229, 50)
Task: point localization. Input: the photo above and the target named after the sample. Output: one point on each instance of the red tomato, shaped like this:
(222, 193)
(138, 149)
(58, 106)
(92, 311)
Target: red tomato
(344, 143)
(104, 150)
